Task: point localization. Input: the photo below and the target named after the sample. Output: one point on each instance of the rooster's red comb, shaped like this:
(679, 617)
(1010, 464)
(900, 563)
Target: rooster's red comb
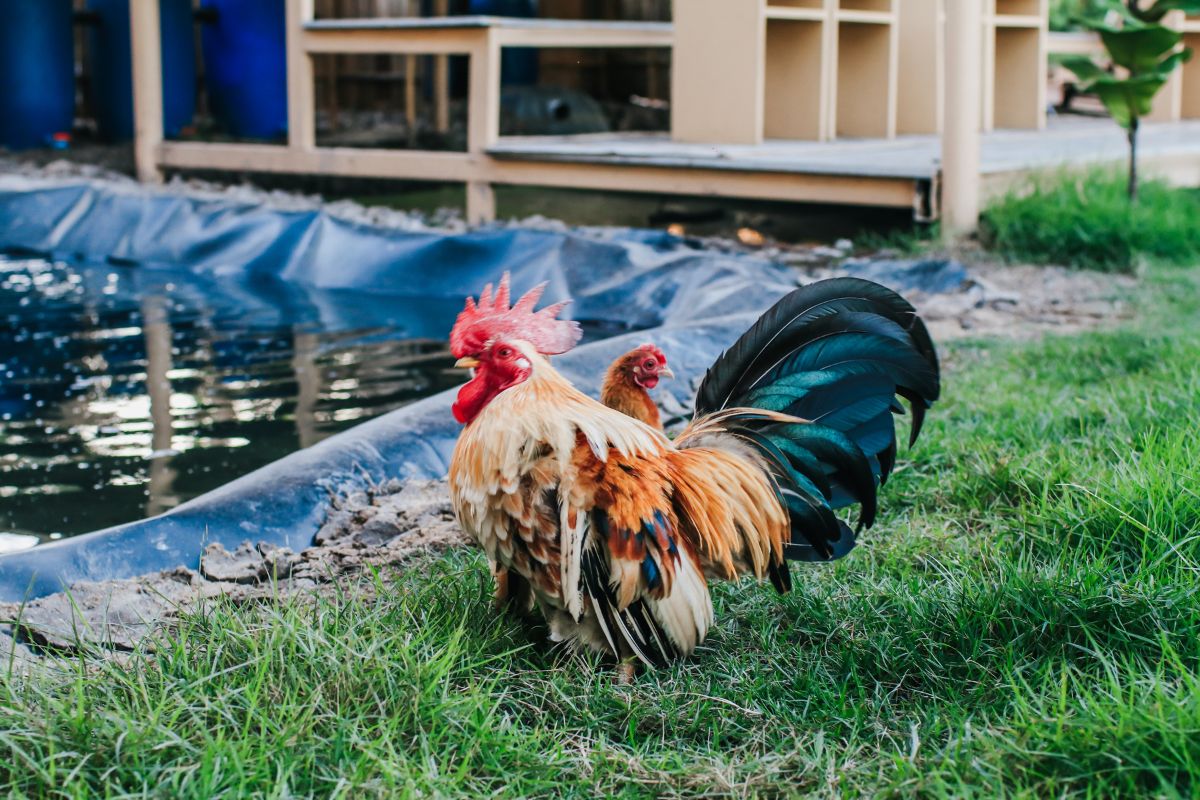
(492, 317)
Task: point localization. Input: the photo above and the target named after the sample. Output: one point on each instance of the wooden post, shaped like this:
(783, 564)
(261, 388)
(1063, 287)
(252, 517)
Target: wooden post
(961, 136)
(302, 122)
(483, 122)
(441, 78)
(146, 40)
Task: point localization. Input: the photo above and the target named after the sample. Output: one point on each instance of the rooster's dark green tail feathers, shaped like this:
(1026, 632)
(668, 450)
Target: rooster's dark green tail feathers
(835, 353)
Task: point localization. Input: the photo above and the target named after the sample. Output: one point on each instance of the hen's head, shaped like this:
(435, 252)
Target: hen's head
(643, 366)
(499, 342)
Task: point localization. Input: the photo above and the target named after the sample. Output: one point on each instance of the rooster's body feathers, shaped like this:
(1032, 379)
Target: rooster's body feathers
(613, 530)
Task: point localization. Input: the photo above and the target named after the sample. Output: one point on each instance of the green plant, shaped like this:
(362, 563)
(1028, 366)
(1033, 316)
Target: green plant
(1065, 15)
(1144, 52)
(1086, 221)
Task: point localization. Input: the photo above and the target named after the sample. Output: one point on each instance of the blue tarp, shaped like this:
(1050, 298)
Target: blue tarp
(690, 301)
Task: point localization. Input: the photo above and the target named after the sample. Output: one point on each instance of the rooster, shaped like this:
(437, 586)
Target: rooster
(630, 378)
(612, 530)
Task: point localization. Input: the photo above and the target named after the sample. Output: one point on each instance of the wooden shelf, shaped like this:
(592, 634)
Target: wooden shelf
(822, 69)
(796, 80)
(1018, 8)
(866, 17)
(865, 95)
(1190, 78)
(921, 66)
(1179, 98)
(878, 6)
(1017, 21)
(1015, 42)
(796, 14)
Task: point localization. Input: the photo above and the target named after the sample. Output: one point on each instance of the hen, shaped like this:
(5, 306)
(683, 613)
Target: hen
(611, 530)
(628, 382)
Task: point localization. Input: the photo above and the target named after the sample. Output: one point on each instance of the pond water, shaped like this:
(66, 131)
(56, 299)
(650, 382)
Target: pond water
(125, 391)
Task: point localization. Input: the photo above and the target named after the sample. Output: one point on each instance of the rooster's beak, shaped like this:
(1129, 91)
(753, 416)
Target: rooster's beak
(665, 372)
(466, 362)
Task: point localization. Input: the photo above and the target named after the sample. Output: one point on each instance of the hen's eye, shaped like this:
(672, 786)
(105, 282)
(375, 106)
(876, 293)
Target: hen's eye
(650, 364)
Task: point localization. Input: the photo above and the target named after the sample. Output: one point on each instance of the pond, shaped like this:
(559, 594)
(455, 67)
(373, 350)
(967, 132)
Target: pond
(125, 391)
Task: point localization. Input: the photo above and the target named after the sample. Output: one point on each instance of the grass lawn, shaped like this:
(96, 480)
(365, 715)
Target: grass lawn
(1023, 619)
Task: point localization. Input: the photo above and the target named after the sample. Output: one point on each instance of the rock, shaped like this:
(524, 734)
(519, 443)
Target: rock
(845, 245)
(119, 614)
(278, 562)
(942, 306)
(14, 654)
(931, 276)
(244, 565)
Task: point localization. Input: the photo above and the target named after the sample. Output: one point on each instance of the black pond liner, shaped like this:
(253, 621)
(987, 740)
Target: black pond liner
(691, 302)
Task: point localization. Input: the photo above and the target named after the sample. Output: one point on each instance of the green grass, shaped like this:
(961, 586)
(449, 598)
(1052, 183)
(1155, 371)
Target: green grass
(1022, 621)
(1086, 221)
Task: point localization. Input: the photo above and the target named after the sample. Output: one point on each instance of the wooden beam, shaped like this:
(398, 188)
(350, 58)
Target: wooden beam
(961, 135)
(895, 192)
(416, 41)
(416, 165)
(599, 35)
(790, 187)
(302, 121)
(146, 41)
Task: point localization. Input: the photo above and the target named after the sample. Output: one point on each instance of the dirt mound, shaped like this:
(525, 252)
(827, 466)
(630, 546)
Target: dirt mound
(380, 528)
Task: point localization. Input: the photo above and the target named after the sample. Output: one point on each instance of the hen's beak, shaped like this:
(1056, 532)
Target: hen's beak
(665, 372)
(466, 362)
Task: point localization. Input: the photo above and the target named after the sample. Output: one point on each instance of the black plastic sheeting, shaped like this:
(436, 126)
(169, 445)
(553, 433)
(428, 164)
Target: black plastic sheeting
(691, 302)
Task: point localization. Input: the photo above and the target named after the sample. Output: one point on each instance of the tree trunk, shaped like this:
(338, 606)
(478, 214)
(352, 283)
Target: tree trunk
(1133, 170)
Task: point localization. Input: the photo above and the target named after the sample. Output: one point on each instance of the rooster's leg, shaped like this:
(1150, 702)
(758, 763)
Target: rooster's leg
(513, 592)
(626, 671)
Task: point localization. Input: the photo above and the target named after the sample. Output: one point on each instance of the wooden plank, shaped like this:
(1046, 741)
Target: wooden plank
(717, 71)
(348, 161)
(796, 81)
(649, 34)
(837, 189)
(441, 22)
(302, 122)
(921, 66)
(865, 101)
(1083, 43)
(417, 41)
(1019, 79)
(147, 88)
(483, 96)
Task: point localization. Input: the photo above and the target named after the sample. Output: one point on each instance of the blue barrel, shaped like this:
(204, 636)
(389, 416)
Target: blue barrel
(112, 70)
(245, 67)
(518, 65)
(37, 71)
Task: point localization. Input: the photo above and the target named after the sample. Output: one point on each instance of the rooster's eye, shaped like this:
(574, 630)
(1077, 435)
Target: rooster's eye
(505, 352)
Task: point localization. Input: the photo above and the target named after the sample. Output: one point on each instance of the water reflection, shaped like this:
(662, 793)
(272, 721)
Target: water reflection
(125, 391)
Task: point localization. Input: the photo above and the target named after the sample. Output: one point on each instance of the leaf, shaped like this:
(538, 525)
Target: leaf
(1139, 49)
(1129, 97)
(1085, 70)
(1156, 11)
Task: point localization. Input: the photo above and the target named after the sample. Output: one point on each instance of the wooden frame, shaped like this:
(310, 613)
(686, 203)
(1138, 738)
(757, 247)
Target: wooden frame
(1015, 46)
(857, 38)
(788, 69)
(479, 38)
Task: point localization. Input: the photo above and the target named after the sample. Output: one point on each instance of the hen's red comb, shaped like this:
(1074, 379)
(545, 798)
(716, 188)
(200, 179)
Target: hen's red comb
(492, 317)
(653, 350)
